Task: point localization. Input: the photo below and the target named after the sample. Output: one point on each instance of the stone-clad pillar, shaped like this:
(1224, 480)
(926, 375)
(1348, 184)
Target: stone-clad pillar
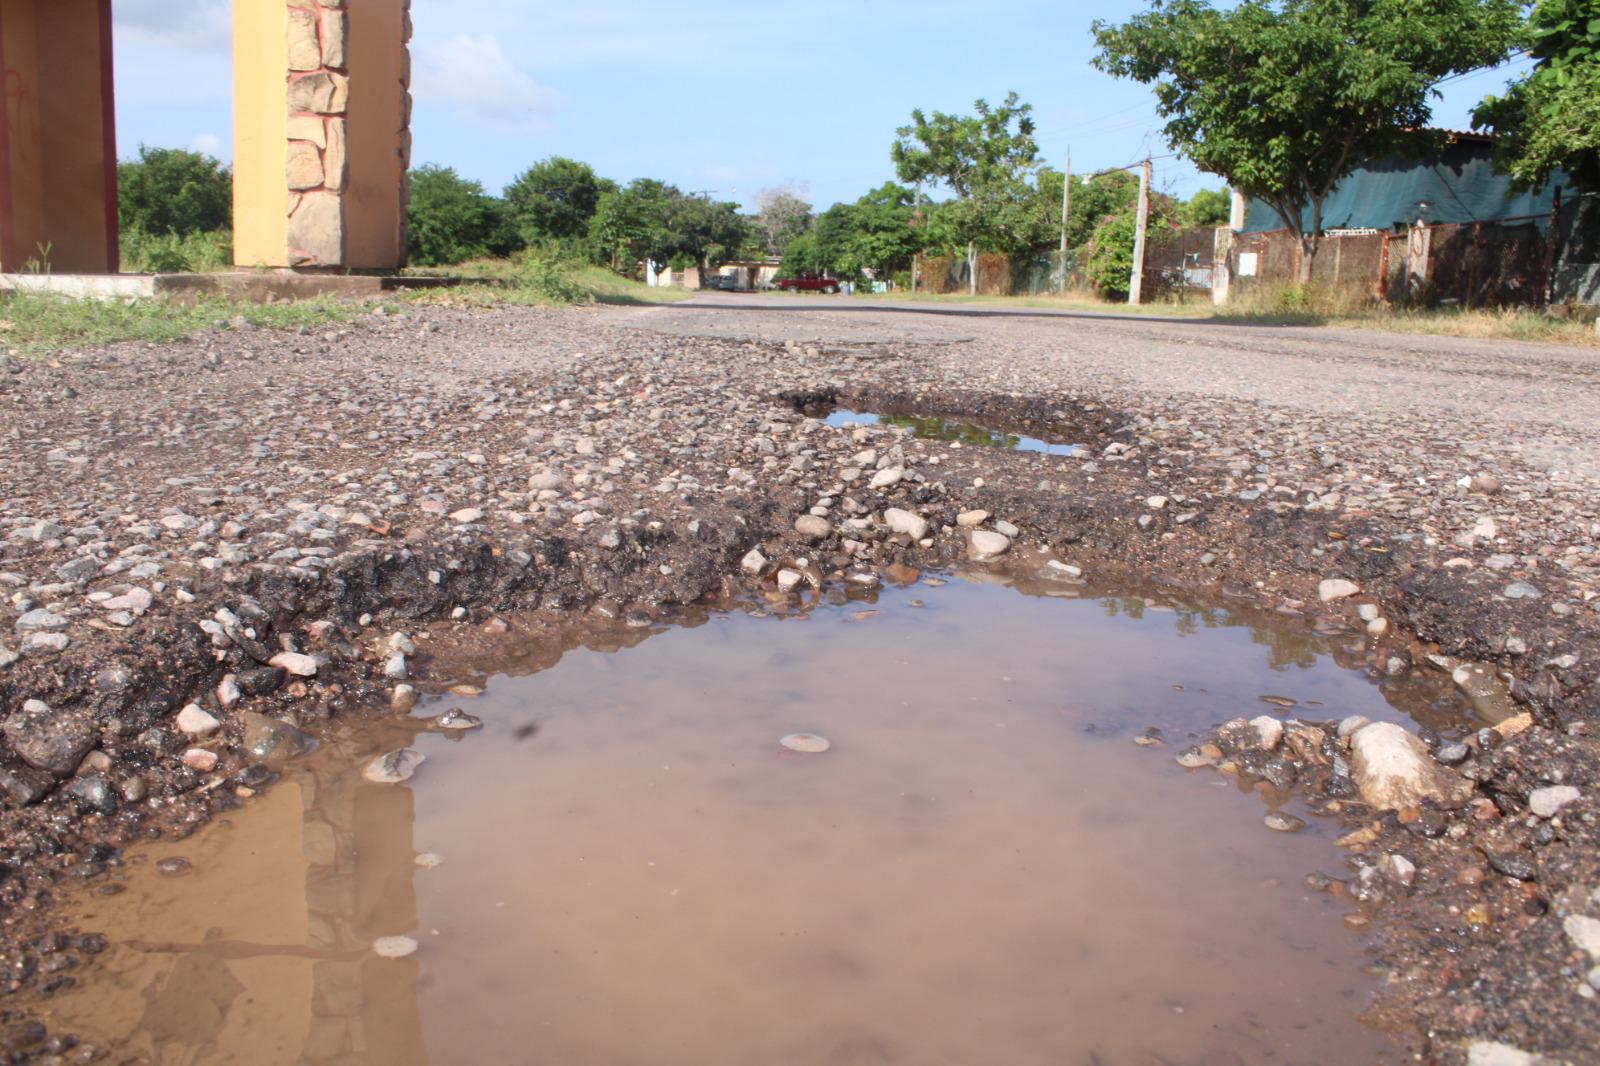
(321, 138)
(58, 152)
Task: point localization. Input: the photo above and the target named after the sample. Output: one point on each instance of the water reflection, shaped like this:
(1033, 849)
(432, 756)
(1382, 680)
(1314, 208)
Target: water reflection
(262, 953)
(930, 427)
(633, 872)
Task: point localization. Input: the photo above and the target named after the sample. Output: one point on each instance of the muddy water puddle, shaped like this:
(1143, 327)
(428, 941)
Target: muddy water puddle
(623, 865)
(934, 427)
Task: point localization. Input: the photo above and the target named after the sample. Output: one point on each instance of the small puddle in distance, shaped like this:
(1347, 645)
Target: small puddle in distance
(930, 427)
(624, 865)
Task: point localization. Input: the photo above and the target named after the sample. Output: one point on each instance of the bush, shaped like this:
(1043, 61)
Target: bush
(171, 192)
(452, 219)
(197, 253)
(541, 276)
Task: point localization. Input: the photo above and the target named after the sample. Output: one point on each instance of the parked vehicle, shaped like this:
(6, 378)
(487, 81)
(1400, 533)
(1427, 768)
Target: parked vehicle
(808, 282)
(725, 282)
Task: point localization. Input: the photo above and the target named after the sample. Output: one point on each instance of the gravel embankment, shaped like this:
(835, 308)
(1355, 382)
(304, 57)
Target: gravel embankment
(243, 522)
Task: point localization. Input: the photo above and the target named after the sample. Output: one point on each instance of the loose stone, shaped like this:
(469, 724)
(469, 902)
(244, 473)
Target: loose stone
(200, 759)
(1545, 802)
(295, 663)
(395, 766)
(1336, 588)
(753, 562)
(971, 519)
(194, 721)
(1284, 823)
(902, 521)
(983, 544)
(810, 743)
(1392, 769)
(812, 527)
(394, 947)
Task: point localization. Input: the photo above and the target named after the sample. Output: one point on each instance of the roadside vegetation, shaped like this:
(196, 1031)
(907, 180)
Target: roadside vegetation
(36, 324)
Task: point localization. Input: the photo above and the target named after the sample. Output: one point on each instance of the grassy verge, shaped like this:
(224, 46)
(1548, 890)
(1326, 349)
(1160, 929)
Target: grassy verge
(535, 280)
(35, 324)
(1276, 309)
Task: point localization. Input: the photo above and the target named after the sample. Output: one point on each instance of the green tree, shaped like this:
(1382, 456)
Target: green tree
(782, 214)
(1283, 97)
(1550, 118)
(554, 199)
(172, 192)
(986, 160)
(1207, 207)
(800, 255)
(629, 224)
(1108, 256)
(451, 219)
(653, 220)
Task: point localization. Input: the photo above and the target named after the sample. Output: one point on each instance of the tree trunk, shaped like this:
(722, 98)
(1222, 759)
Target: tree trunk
(972, 268)
(1308, 259)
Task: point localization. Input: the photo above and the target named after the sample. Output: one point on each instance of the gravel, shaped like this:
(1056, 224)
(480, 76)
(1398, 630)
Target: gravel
(246, 515)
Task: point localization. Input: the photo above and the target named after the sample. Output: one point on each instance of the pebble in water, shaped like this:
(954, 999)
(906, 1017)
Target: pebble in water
(428, 860)
(810, 743)
(176, 866)
(1283, 823)
(394, 947)
(394, 767)
(457, 719)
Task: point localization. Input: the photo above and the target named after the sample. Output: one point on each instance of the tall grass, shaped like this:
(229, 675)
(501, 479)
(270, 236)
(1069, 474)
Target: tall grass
(195, 253)
(37, 324)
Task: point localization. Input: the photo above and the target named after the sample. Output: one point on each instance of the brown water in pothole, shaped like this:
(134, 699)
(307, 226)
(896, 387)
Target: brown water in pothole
(982, 869)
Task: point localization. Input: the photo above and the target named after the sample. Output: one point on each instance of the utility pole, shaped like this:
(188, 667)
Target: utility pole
(916, 257)
(1066, 198)
(1136, 278)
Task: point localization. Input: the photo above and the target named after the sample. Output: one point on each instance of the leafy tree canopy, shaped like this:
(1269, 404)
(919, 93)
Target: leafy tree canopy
(1550, 118)
(172, 192)
(782, 214)
(1283, 97)
(652, 220)
(986, 159)
(451, 219)
(1208, 207)
(555, 198)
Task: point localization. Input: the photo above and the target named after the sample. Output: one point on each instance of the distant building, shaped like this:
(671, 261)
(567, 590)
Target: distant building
(751, 274)
(1454, 184)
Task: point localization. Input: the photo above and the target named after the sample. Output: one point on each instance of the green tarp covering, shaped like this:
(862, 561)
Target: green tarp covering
(1455, 185)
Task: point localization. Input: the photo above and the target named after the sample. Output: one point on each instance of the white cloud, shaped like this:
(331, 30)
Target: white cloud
(474, 75)
(208, 144)
(203, 25)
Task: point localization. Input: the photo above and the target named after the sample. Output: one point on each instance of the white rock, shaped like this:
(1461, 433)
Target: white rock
(228, 692)
(136, 600)
(812, 527)
(394, 667)
(972, 519)
(887, 477)
(295, 663)
(1269, 729)
(908, 522)
(810, 743)
(200, 759)
(1545, 802)
(1369, 612)
(983, 544)
(394, 947)
(1585, 932)
(467, 514)
(1007, 529)
(403, 698)
(395, 766)
(1155, 503)
(1487, 1053)
(1392, 769)
(194, 721)
(789, 579)
(753, 562)
(1336, 588)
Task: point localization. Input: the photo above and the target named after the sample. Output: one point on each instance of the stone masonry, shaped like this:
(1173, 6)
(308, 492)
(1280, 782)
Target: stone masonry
(318, 96)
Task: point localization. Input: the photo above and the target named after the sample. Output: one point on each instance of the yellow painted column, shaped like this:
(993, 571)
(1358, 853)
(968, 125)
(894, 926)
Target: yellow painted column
(321, 139)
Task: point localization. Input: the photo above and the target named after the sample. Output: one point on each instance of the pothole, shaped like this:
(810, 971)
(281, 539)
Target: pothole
(996, 857)
(956, 431)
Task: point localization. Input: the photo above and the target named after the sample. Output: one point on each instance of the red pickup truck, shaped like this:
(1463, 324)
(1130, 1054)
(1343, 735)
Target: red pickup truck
(808, 282)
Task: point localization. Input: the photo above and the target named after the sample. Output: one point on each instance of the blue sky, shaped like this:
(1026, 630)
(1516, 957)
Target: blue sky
(709, 96)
